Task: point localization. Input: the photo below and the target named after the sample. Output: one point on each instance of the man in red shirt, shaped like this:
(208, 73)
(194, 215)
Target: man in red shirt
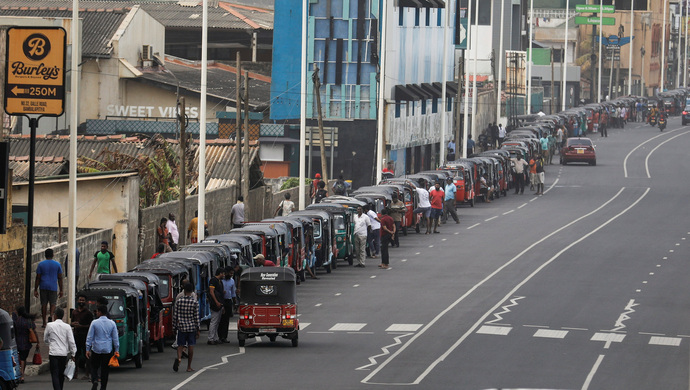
(387, 232)
(436, 195)
(260, 261)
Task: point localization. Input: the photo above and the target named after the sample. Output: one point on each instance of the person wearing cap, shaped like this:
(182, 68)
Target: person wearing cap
(314, 186)
(260, 261)
(103, 258)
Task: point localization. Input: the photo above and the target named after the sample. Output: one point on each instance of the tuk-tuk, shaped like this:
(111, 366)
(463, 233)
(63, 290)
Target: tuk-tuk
(9, 356)
(296, 248)
(270, 241)
(170, 275)
(322, 230)
(283, 239)
(250, 245)
(268, 304)
(125, 308)
(154, 306)
(222, 251)
(343, 220)
(202, 270)
(409, 219)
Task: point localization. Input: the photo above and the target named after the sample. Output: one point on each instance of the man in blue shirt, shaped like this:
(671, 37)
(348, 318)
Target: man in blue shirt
(229, 294)
(449, 201)
(101, 341)
(48, 281)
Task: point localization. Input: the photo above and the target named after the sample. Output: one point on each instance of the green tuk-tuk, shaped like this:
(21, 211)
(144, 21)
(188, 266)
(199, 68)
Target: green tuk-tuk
(343, 226)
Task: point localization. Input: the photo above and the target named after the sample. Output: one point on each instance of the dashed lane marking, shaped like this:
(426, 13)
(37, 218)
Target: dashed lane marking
(473, 226)
(522, 205)
(608, 338)
(495, 330)
(668, 341)
(494, 217)
(551, 333)
(508, 212)
(404, 327)
(347, 327)
(318, 304)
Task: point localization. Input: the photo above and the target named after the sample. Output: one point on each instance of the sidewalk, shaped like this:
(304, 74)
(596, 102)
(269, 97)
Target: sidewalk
(32, 369)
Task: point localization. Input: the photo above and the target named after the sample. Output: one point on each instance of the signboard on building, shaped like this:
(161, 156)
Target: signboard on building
(35, 71)
(463, 33)
(595, 20)
(594, 8)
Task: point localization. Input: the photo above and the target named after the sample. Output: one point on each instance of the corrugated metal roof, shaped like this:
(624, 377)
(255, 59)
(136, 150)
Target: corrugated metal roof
(99, 24)
(51, 150)
(172, 14)
(20, 169)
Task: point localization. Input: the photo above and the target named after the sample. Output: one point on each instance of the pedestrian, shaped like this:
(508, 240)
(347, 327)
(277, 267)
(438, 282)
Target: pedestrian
(320, 193)
(340, 187)
(164, 235)
(520, 166)
(159, 251)
(552, 146)
(544, 141)
(397, 210)
(60, 340)
(362, 229)
(501, 134)
(101, 343)
(559, 136)
(314, 186)
(215, 293)
(449, 201)
(65, 267)
(174, 238)
(103, 260)
(532, 172)
(485, 188)
(624, 116)
(229, 297)
(470, 145)
(261, 261)
(285, 207)
(451, 150)
(374, 239)
(49, 282)
(186, 324)
(193, 228)
(81, 321)
(23, 326)
(539, 164)
(436, 195)
(237, 213)
(424, 207)
(387, 232)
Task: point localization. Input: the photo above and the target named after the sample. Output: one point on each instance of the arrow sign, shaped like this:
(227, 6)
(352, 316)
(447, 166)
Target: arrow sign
(606, 9)
(16, 90)
(595, 20)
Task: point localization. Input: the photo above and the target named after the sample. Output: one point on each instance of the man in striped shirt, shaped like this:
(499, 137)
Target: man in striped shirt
(186, 323)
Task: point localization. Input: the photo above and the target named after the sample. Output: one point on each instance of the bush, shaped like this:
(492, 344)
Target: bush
(293, 182)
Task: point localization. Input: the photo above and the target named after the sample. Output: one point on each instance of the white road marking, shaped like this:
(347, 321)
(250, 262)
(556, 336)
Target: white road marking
(347, 327)
(495, 330)
(671, 250)
(638, 290)
(644, 282)
(494, 217)
(372, 359)
(625, 160)
(508, 212)
(473, 226)
(677, 244)
(593, 371)
(651, 334)
(431, 246)
(456, 233)
(646, 160)
(516, 288)
(583, 329)
(372, 277)
(418, 253)
(608, 338)
(318, 304)
(664, 258)
(536, 326)
(403, 260)
(651, 273)
(444, 239)
(551, 186)
(551, 334)
(303, 325)
(669, 341)
(404, 327)
(338, 294)
(224, 360)
(506, 309)
(355, 285)
(624, 316)
(522, 205)
(360, 332)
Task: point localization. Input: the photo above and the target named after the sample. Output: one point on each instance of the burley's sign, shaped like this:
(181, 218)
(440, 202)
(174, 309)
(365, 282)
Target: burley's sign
(35, 69)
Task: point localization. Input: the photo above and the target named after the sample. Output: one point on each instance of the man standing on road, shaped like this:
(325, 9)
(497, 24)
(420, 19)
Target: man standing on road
(101, 342)
(449, 201)
(193, 228)
(520, 166)
(424, 207)
(501, 134)
(237, 213)
(174, 232)
(102, 260)
(362, 228)
(49, 282)
(215, 287)
(533, 172)
(437, 196)
(186, 323)
(229, 295)
(81, 321)
(559, 137)
(539, 163)
(164, 235)
(544, 141)
(375, 234)
(397, 209)
(58, 336)
(387, 232)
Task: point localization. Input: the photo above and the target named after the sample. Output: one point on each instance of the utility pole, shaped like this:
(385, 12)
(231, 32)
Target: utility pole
(322, 145)
(592, 59)
(553, 91)
(238, 124)
(245, 149)
(461, 73)
(182, 118)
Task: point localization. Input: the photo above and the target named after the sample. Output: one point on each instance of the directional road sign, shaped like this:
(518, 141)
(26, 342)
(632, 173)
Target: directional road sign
(462, 35)
(35, 82)
(595, 20)
(594, 8)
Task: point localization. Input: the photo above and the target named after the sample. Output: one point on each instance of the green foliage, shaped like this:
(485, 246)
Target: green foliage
(293, 182)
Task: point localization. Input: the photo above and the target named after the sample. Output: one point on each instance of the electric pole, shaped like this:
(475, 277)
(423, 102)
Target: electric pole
(322, 146)
(182, 118)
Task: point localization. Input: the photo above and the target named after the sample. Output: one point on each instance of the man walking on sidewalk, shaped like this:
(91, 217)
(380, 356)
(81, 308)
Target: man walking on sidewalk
(49, 283)
(58, 336)
(101, 342)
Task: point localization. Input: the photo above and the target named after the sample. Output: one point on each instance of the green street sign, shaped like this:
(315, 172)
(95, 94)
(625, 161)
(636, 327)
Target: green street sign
(462, 34)
(595, 20)
(594, 8)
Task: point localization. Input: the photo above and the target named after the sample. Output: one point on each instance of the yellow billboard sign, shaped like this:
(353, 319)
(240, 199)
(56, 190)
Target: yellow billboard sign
(35, 71)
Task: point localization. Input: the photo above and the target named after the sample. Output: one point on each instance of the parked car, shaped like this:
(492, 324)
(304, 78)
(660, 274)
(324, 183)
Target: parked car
(686, 115)
(578, 149)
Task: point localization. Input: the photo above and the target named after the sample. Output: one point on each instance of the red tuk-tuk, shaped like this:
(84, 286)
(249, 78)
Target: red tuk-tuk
(268, 305)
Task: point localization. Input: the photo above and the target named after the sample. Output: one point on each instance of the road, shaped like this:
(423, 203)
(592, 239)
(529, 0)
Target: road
(582, 288)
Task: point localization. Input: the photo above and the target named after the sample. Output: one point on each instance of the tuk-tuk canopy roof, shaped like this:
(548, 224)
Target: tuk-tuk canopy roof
(107, 287)
(339, 199)
(256, 228)
(196, 256)
(242, 238)
(274, 274)
(162, 265)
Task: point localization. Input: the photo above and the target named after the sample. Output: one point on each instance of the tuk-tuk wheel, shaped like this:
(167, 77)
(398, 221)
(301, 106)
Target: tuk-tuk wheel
(137, 360)
(146, 350)
(241, 342)
(328, 268)
(272, 338)
(334, 263)
(5, 386)
(295, 342)
(350, 259)
(404, 230)
(160, 344)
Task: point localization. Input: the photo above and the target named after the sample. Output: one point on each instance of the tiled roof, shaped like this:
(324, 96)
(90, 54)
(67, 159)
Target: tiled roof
(220, 81)
(225, 16)
(99, 24)
(52, 151)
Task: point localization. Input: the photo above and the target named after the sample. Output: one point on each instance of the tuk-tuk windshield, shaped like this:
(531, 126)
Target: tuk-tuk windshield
(164, 286)
(317, 229)
(116, 306)
(339, 222)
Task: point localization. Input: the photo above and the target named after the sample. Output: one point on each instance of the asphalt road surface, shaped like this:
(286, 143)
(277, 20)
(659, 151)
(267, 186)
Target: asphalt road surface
(585, 287)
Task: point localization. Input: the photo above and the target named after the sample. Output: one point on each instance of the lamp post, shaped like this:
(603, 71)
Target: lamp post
(565, 49)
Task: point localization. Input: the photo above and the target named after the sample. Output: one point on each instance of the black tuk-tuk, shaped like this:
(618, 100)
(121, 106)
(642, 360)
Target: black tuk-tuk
(9, 356)
(268, 305)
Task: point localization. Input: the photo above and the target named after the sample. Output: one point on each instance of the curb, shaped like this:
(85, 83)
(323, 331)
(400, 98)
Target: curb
(35, 370)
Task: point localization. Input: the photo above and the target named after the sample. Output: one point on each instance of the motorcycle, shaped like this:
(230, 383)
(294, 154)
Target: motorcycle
(652, 121)
(662, 123)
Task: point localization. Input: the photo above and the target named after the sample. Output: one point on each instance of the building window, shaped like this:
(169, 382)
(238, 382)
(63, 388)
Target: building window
(449, 104)
(416, 17)
(412, 104)
(401, 16)
(427, 16)
(423, 107)
(397, 109)
(439, 16)
(484, 11)
(434, 106)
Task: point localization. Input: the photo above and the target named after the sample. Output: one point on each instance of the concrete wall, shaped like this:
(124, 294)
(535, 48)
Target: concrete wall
(88, 245)
(12, 267)
(45, 237)
(142, 29)
(103, 202)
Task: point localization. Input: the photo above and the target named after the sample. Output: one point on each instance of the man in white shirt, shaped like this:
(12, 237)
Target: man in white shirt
(501, 134)
(173, 231)
(375, 234)
(424, 206)
(60, 340)
(362, 228)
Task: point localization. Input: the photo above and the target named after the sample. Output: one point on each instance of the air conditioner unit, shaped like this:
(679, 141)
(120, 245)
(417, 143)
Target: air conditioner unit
(147, 53)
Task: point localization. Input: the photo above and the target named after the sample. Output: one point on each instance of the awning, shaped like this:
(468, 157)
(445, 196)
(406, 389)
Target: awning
(419, 91)
(402, 93)
(451, 88)
(421, 3)
(436, 92)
